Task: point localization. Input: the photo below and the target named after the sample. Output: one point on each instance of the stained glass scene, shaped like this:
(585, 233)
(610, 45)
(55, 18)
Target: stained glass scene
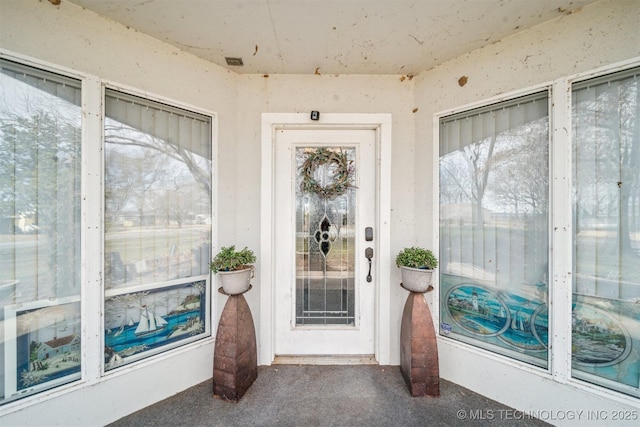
(140, 324)
(46, 351)
(325, 236)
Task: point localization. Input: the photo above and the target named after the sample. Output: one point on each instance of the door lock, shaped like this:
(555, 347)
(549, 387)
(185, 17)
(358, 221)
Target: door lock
(368, 234)
(368, 254)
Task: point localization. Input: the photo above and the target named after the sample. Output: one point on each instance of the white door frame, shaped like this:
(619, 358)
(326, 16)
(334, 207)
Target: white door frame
(381, 122)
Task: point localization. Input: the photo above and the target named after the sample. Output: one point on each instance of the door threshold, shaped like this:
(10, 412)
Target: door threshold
(365, 359)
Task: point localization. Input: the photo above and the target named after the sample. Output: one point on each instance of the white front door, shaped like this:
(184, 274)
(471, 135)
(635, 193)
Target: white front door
(324, 198)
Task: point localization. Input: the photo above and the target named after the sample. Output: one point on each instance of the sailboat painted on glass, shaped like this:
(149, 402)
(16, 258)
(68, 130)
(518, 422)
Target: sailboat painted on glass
(150, 323)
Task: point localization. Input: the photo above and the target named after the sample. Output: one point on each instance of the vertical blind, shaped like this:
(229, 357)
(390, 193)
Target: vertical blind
(157, 191)
(493, 175)
(606, 130)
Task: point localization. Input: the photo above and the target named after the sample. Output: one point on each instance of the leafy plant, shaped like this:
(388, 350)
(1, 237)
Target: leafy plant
(228, 259)
(414, 257)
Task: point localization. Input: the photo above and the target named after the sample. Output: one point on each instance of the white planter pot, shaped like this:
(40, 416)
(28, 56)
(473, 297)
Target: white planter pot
(416, 279)
(236, 282)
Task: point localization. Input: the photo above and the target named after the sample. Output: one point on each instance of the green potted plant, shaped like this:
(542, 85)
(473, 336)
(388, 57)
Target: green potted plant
(416, 265)
(235, 269)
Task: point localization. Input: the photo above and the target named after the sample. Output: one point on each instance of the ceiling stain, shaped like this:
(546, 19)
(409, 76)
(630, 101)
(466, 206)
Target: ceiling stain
(394, 39)
(420, 42)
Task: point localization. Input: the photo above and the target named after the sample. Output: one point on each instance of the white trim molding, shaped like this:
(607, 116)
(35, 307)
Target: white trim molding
(381, 122)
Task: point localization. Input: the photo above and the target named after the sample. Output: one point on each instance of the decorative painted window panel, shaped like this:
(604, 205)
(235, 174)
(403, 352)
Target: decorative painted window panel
(494, 247)
(606, 287)
(46, 350)
(150, 320)
(40, 153)
(157, 226)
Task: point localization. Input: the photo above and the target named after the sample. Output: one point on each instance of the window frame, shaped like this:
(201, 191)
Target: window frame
(211, 321)
(577, 83)
(560, 227)
(86, 275)
(92, 233)
(508, 100)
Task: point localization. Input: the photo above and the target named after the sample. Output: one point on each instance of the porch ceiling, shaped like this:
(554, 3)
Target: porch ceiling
(331, 36)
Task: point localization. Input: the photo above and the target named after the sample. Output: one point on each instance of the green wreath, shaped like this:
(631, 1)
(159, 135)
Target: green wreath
(341, 181)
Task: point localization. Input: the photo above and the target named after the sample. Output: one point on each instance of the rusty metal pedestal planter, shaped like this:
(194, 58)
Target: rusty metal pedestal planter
(418, 348)
(235, 360)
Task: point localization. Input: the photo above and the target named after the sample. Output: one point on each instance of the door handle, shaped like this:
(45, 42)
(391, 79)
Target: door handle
(368, 254)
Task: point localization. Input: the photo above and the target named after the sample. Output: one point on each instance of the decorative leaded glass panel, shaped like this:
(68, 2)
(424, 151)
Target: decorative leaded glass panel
(325, 239)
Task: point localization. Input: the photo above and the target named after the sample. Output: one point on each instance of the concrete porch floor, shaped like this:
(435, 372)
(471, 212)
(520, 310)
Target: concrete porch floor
(305, 395)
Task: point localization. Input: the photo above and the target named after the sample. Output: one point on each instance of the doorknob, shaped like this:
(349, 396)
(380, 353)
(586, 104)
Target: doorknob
(368, 254)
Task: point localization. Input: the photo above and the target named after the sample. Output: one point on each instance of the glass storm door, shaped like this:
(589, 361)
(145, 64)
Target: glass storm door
(325, 198)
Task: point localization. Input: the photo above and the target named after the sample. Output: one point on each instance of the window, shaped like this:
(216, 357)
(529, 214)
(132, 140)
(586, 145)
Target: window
(606, 290)
(494, 239)
(157, 227)
(40, 153)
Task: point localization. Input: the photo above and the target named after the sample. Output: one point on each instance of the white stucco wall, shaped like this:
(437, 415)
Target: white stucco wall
(600, 34)
(79, 40)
